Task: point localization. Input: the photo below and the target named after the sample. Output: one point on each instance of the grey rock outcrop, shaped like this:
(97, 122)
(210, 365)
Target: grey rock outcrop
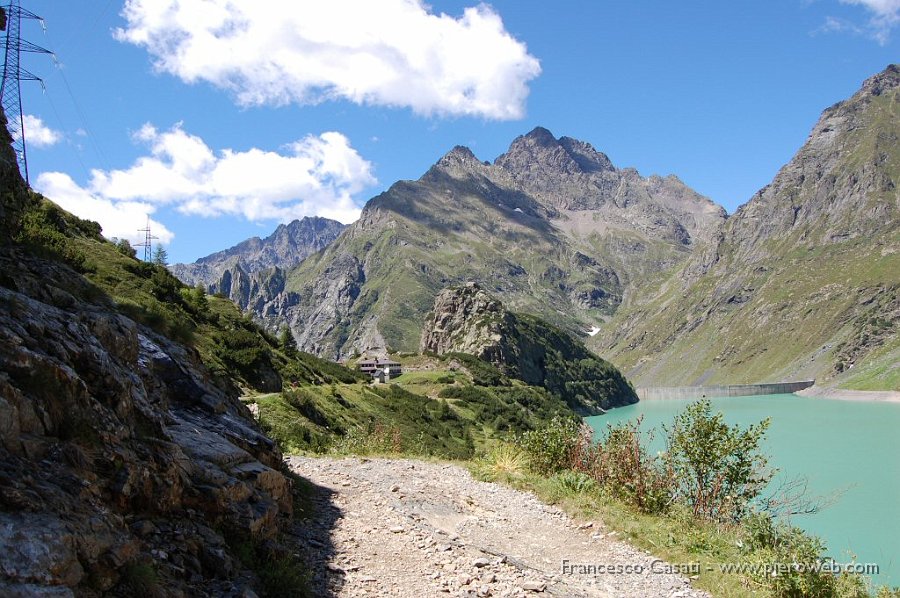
(122, 461)
(467, 319)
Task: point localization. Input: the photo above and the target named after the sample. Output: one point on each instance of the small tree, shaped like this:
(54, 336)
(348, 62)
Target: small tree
(718, 468)
(161, 256)
(198, 298)
(125, 248)
(287, 342)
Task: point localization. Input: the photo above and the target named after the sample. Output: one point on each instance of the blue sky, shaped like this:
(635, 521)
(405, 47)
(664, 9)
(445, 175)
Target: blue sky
(221, 118)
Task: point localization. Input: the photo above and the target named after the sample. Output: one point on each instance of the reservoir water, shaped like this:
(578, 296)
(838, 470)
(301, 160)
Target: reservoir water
(840, 446)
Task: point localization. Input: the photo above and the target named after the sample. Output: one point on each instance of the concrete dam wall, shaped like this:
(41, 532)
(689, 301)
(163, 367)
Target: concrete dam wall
(652, 393)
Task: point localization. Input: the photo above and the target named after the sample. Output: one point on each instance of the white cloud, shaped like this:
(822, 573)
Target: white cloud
(37, 134)
(388, 53)
(317, 175)
(885, 16)
(118, 219)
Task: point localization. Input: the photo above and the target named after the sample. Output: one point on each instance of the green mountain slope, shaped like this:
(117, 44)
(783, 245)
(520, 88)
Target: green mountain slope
(804, 280)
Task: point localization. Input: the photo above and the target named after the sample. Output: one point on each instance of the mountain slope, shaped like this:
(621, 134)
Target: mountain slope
(804, 280)
(501, 225)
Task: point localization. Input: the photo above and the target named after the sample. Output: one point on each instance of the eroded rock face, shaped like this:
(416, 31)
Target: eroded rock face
(116, 448)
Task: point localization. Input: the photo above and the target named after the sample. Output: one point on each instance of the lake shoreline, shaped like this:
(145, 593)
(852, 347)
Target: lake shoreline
(841, 394)
(835, 445)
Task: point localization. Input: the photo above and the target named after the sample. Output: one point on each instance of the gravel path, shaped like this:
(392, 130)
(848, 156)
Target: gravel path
(407, 528)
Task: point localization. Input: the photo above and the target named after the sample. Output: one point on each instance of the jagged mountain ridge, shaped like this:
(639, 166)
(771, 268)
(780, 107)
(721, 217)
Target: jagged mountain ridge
(804, 279)
(286, 247)
(572, 261)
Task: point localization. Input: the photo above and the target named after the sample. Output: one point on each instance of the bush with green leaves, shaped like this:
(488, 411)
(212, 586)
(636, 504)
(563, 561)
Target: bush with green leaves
(719, 469)
(124, 247)
(549, 448)
(790, 563)
(620, 462)
(573, 482)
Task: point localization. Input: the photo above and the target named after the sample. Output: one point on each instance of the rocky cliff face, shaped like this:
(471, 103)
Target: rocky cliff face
(803, 281)
(552, 227)
(123, 465)
(289, 245)
(467, 319)
(118, 451)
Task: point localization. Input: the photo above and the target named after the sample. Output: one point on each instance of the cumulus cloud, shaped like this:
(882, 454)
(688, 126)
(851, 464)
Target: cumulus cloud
(118, 219)
(388, 53)
(317, 175)
(885, 15)
(37, 134)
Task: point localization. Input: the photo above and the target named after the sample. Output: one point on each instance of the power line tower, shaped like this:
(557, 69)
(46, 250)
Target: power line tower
(11, 15)
(148, 241)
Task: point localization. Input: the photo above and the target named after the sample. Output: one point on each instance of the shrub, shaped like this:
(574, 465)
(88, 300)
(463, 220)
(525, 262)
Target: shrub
(125, 248)
(303, 367)
(195, 299)
(573, 482)
(549, 448)
(718, 469)
(620, 463)
(304, 402)
(44, 228)
(790, 562)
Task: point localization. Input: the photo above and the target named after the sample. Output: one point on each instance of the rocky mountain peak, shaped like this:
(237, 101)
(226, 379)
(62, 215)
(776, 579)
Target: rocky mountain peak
(540, 151)
(886, 80)
(540, 136)
(459, 156)
(589, 159)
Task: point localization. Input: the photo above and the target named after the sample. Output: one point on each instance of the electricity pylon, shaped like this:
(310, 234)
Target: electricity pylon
(11, 15)
(148, 241)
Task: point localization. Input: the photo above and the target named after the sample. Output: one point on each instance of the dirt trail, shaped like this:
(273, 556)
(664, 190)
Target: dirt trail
(408, 528)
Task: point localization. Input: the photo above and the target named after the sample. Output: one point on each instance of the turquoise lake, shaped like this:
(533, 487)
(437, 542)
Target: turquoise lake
(840, 446)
